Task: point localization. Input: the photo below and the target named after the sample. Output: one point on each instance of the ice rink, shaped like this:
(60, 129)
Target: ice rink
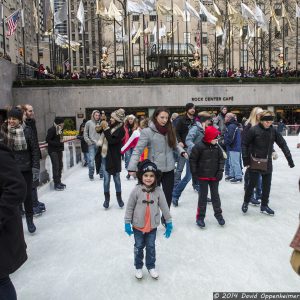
(81, 252)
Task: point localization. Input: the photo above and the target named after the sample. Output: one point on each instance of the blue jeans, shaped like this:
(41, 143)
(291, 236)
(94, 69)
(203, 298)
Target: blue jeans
(91, 161)
(106, 176)
(235, 170)
(86, 157)
(179, 169)
(143, 240)
(178, 189)
(127, 157)
(227, 165)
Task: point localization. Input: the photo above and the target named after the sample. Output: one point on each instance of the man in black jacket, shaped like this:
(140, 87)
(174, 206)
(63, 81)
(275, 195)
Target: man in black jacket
(12, 243)
(55, 150)
(183, 125)
(38, 207)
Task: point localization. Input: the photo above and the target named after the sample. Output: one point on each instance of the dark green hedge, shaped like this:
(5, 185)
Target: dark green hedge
(154, 81)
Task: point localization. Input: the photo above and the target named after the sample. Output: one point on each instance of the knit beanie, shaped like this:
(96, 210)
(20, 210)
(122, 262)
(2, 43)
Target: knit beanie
(147, 166)
(188, 106)
(119, 115)
(210, 134)
(15, 113)
(58, 120)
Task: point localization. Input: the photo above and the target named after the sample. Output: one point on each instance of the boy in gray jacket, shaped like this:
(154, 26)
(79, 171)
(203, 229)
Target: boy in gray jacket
(143, 213)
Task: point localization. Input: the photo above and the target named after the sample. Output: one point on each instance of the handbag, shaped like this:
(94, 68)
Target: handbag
(260, 164)
(295, 261)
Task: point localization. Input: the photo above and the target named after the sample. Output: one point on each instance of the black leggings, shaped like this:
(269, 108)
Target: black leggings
(266, 186)
(7, 289)
(167, 182)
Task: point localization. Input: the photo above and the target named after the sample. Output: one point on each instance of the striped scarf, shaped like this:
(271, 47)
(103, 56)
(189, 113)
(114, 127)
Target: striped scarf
(16, 137)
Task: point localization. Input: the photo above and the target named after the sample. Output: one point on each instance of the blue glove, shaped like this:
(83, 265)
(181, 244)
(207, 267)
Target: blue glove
(169, 229)
(128, 229)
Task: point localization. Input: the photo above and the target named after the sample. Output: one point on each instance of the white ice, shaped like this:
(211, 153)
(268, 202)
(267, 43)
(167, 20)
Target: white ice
(80, 250)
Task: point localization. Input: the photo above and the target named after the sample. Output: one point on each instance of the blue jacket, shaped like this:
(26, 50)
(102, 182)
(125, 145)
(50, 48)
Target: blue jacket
(232, 136)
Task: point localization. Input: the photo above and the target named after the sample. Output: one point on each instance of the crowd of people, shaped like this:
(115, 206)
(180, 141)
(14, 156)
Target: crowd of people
(155, 151)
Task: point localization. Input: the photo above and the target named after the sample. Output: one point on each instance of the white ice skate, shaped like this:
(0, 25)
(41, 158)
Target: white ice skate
(139, 273)
(153, 273)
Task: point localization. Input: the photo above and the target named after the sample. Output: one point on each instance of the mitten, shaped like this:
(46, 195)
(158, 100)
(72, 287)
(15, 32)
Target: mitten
(274, 155)
(219, 175)
(35, 174)
(169, 228)
(128, 229)
(290, 161)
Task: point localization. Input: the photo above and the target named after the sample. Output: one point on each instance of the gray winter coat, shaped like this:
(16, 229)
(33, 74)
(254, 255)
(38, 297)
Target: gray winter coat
(159, 151)
(136, 209)
(90, 135)
(194, 137)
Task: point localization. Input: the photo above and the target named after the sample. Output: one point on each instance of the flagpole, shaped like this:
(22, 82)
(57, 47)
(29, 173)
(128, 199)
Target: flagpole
(37, 6)
(144, 44)
(186, 32)
(270, 38)
(23, 36)
(69, 38)
(172, 36)
(132, 49)
(229, 46)
(3, 27)
(53, 45)
(129, 44)
(283, 36)
(225, 52)
(115, 47)
(157, 38)
(297, 31)
(255, 57)
(178, 46)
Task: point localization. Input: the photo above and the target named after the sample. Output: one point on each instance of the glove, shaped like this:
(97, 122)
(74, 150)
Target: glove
(169, 228)
(291, 163)
(274, 155)
(219, 175)
(128, 229)
(35, 174)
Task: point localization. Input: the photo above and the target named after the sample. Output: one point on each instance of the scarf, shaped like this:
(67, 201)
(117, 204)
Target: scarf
(59, 132)
(103, 143)
(16, 137)
(161, 129)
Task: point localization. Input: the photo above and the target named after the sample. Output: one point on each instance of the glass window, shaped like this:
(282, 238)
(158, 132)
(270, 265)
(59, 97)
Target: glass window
(205, 60)
(277, 8)
(204, 38)
(136, 60)
(120, 60)
(135, 18)
(152, 18)
(186, 37)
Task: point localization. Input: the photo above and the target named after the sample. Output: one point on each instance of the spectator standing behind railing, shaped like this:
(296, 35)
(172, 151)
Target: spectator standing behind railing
(12, 243)
(55, 142)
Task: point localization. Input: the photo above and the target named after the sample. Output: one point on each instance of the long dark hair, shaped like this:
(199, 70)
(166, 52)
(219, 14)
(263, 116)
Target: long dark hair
(171, 131)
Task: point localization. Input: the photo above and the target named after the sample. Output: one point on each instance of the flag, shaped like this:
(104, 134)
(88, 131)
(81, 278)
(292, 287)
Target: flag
(146, 32)
(61, 15)
(224, 38)
(154, 32)
(217, 10)
(137, 35)
(80, 16)
(189, 8)
(219, 31)
(198, 39)
(1, 13)
(261, 18)
(114, 13)
(210, 17)
(297, 11)
(67, 65)
(273, 15)
(247, 13)
(177, 11)
(135, 6)
(11, 22)
(162, 31)
(133, 30)
(164, 10)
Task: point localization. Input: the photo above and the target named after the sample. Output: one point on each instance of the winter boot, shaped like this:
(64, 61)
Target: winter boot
(139, 273)
(37, 211)
(30, 225)
(119, 199)
(153, 273)
(63, 185)
(175, 202)
(42, 206)
(58, 187)
(106, 201)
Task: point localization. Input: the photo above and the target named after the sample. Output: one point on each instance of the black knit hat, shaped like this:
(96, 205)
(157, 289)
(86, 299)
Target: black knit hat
(188, 106)
(58, 120)
(147, 166)
(15, 113)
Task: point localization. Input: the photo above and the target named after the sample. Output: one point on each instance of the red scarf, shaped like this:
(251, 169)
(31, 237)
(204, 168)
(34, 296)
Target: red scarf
(161, 129)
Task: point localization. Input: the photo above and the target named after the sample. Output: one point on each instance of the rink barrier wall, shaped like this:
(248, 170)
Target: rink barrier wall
(71, 159)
